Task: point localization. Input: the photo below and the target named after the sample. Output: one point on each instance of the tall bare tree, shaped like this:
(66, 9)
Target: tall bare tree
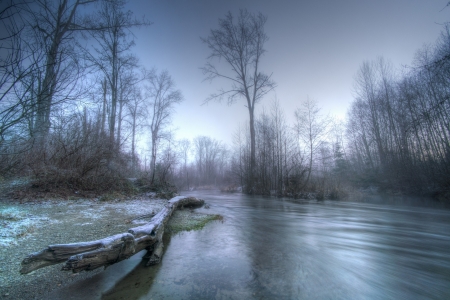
(113, 34)
(240, 43)
(185, 146)
(53, 27)
(136, 109)
(312, 129)
(14, 106)
(163, 96)
(128, 81)
(210, 157)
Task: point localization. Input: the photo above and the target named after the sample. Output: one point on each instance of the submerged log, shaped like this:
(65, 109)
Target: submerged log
(110, 250)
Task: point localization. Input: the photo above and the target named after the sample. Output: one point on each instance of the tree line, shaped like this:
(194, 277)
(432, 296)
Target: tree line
(398, 125)
(75, 100)
(396, 136)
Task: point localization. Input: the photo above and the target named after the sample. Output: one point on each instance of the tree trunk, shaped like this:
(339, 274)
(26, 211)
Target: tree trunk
(114, 89)
(251, 178)
(110, 250)
(53, 60)
(119, 120)
(153, 157)
(112, 117)
(104, 89)
(44, 98)
(133, 142)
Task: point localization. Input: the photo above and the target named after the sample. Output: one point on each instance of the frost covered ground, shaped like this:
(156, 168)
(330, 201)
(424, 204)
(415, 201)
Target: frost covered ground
(17, 222)
(31, 227)
(30, 223)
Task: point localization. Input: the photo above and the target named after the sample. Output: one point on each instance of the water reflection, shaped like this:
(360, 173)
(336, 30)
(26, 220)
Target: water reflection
(137, 282)
(270, 248)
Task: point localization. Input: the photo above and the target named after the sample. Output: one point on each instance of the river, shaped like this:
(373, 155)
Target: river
(270, 248)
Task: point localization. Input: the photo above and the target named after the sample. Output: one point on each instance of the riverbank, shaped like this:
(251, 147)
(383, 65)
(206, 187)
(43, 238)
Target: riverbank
(351, 194)
(32, 226)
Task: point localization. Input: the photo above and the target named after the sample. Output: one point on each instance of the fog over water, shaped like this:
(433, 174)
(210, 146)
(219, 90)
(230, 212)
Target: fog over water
(330, 101)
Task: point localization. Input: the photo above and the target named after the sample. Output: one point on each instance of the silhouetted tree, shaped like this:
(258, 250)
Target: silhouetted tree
(185, 146)
(162, 96)
(53, 28)
(112, 24)
(16, 89)
(312, 129)
(240, 43)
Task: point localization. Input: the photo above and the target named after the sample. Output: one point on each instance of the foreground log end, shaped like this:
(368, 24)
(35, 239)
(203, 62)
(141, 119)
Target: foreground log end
(115, 251)
(38, 260)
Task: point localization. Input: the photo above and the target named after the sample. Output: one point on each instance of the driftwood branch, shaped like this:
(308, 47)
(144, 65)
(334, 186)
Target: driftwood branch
(110, 250)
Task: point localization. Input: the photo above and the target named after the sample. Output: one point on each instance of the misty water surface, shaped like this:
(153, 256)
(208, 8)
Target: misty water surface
(268, 248)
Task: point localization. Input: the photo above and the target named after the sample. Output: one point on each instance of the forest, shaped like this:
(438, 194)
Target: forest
(75, 101)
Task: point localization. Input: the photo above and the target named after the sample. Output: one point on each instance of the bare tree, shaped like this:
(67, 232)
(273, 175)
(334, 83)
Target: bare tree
(210, 155)
(33, 60)
(312, 129)
(134, 108)
(167, 163)
(398, 130)
(185, 147)
(282, 146)
(162, 96)
(53, 28)
(14, 104)
(128, 81)
(11, 47)
(136, 112)
(241, 156)
(241, 44)
(112, 26)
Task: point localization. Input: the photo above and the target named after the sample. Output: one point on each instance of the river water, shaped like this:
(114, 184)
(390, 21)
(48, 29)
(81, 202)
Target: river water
(269, 248)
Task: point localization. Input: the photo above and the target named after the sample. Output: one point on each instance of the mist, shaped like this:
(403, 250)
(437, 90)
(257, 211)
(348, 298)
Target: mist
(271, 150)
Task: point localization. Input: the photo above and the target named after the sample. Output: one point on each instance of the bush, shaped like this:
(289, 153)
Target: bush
(75, 157)
(163, 189)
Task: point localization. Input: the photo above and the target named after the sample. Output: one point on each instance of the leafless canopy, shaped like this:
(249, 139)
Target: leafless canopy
(241, 44)
(163, 96)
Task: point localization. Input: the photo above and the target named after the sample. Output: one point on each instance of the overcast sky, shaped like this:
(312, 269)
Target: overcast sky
(315, 49)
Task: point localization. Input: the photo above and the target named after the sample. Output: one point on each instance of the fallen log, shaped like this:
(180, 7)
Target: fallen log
(110, 250)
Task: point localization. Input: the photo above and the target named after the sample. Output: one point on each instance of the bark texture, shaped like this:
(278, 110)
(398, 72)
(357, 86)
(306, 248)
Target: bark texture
(110, 250)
